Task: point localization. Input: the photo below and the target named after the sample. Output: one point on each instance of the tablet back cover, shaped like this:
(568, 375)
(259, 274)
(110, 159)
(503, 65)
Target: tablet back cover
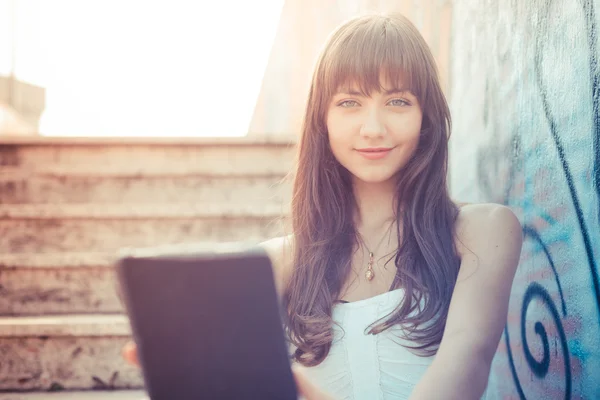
(207, 325)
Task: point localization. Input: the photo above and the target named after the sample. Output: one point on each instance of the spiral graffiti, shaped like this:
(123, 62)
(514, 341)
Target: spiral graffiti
(533, 292)
(537, 145)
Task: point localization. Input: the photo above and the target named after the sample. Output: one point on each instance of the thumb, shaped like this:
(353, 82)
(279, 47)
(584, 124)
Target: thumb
(130, 353)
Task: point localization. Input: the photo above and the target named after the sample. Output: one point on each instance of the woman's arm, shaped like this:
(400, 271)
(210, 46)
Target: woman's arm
(490, 240)
(279, 250)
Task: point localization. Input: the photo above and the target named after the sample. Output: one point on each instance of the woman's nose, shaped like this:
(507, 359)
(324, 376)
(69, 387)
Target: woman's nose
(373, 124)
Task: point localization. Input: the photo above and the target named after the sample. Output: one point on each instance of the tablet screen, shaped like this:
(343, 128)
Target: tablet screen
(207, 325)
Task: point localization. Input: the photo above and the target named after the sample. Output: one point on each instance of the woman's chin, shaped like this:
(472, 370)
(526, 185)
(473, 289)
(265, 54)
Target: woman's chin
(373, 178)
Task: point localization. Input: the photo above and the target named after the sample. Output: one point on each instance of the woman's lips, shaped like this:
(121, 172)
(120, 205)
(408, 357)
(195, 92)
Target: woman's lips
(374, 153)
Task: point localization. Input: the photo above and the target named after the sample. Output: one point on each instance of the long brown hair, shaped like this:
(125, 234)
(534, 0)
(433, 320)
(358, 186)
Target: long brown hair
(323, 203)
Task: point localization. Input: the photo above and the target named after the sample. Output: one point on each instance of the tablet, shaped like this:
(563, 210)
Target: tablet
(207, 323)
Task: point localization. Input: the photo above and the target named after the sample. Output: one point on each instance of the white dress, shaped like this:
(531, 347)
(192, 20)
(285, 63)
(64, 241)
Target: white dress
(360, 366)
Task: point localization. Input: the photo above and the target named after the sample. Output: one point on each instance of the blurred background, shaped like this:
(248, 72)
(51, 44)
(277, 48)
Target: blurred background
(141, 123)
(134, 68)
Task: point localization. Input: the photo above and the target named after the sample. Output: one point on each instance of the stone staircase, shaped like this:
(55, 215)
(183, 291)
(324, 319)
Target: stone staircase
(68, 204)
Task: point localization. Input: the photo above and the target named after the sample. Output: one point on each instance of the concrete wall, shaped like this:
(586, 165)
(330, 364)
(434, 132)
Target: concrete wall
(21, 106)
(525, 88)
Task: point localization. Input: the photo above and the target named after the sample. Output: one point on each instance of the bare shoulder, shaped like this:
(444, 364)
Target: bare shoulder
(489, 239)
(480, 225)
(280, 251)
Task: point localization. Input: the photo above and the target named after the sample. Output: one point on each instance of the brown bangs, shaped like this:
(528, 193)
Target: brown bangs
(367, 53)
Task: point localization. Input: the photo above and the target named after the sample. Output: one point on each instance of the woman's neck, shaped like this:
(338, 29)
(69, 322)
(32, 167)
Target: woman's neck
(375, 205)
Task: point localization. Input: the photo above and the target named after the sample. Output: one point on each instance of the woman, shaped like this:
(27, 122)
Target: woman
(391, 289)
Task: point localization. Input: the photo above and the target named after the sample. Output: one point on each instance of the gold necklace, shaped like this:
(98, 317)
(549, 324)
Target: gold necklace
(370, 274)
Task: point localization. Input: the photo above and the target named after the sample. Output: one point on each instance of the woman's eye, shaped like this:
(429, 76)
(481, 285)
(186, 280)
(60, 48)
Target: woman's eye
(347, 103)
(393, 102)
(399, 102)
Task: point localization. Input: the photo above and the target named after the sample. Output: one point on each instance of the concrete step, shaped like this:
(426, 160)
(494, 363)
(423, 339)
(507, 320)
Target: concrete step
(199, 156)
(76, 352)
(65, 283)
(80, 228)
(61, 185)
(58, 284)
(78, 395)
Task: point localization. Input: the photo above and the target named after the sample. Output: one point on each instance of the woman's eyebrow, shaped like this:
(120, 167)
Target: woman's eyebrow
(351, 92)
(396, 91)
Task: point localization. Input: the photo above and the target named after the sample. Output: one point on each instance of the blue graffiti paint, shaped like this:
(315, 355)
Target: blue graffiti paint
(578, 350)
(538, 153)
(542, 29)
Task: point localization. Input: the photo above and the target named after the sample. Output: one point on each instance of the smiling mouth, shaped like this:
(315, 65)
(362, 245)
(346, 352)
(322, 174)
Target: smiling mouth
(374, 153)
(374, 149)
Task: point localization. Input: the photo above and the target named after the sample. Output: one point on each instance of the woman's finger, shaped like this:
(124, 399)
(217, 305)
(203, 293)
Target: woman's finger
(130, 353)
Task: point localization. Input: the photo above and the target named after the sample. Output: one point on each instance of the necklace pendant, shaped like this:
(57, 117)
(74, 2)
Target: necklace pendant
(370, 274)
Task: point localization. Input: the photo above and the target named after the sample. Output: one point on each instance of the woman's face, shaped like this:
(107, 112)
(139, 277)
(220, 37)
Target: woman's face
(373, 137)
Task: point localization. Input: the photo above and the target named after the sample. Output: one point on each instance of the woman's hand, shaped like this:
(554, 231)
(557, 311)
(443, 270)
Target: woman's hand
(130, 353)
(306, 389)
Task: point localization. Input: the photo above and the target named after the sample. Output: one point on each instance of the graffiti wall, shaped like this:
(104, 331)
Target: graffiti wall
(525, 95)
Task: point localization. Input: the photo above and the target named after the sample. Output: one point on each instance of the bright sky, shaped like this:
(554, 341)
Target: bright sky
(142, 68)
